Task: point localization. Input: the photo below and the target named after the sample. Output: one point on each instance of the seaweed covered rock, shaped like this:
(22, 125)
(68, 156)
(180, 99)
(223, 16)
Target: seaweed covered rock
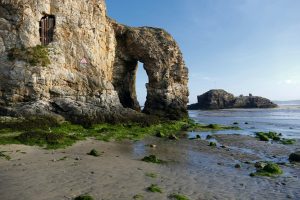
(68, 58)
(220, 99)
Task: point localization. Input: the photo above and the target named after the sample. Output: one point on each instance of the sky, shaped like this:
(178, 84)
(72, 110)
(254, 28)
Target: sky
(242, 46)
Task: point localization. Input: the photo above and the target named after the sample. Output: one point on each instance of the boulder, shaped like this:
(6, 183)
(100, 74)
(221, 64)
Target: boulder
(295, 157)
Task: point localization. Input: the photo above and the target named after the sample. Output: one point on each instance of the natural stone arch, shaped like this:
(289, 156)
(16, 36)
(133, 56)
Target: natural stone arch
(167, 92)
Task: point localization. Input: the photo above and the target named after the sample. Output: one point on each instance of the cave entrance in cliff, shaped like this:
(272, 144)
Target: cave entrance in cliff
(47, 26)
(140, 84)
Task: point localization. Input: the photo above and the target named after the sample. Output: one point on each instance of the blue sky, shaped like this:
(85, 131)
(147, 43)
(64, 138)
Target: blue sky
(242, 46)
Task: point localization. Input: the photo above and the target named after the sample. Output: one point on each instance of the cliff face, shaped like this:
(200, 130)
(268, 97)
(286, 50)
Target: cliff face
(220, 99)
(93, 63)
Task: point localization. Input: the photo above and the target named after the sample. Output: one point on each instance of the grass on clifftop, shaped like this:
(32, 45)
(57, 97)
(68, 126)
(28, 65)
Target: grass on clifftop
(52, 133)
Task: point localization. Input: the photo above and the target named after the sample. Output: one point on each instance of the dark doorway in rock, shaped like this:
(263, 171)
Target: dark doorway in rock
(141, 82)
(47, 27)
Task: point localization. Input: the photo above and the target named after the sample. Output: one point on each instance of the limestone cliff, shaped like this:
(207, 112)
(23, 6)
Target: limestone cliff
(93, 62)
(220, 99)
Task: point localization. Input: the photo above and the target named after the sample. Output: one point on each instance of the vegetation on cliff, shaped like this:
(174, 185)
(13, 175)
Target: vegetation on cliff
(37, 55)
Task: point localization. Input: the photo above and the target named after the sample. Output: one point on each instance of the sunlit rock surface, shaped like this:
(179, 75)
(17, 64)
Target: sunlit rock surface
(93, 64)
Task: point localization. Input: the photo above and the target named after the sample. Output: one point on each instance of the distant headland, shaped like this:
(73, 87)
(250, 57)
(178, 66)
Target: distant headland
(220, 99)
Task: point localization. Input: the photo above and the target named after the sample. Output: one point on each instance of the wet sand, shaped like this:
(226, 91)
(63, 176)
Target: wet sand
(193, 168)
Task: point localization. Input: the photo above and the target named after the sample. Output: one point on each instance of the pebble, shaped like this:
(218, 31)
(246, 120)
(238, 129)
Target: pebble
(237, 166)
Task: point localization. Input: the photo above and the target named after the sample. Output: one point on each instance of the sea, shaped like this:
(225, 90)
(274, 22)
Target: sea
(285, 119)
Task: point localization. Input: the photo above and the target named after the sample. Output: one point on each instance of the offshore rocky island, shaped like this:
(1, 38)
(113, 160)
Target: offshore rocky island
(220, 99)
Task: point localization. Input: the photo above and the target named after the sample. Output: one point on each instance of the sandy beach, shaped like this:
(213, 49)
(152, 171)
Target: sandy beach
(192, 168)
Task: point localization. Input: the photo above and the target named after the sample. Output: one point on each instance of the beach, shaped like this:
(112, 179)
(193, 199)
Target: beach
(191, 168)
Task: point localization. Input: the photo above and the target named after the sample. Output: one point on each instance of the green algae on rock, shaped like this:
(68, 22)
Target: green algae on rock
(52, 132)
(178, 197)
(94, 153)
(152, 159)
(154, 188)
(84, 197)
(269, 169)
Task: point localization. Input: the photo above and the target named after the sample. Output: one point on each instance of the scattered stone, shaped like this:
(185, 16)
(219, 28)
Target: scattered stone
(198, 136)
(238, 166)
(295, 157)
(94, 152)
(77, 158)
(212, 144)
(270, 169)
(153, 145)
(173, 137)
(84, 197)
(260, 165)
(252, 174)
(208, 137)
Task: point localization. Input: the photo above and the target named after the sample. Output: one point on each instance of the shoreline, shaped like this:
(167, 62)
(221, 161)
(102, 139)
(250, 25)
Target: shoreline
(193, 169)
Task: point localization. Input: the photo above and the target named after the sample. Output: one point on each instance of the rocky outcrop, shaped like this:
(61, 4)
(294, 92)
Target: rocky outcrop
(220, 99)
(167, 91)
(93, 64)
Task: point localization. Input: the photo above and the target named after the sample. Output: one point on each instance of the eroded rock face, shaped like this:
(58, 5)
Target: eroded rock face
(93, 64)
(220, 99)
(167, 92)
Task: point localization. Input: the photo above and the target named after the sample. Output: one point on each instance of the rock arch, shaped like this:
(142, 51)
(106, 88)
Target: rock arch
(167, 92)
(103, 89)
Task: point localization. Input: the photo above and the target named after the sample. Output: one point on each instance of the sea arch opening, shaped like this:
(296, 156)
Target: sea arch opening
(131, 80)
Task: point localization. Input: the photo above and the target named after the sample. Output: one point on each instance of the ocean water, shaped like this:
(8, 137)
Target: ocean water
(285, 119)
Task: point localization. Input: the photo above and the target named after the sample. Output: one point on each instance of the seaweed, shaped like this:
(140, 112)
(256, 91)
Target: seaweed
(94, 153)
(152, 159)
(269, 169)
(178, 197)
(154, 188)
(84, 197)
